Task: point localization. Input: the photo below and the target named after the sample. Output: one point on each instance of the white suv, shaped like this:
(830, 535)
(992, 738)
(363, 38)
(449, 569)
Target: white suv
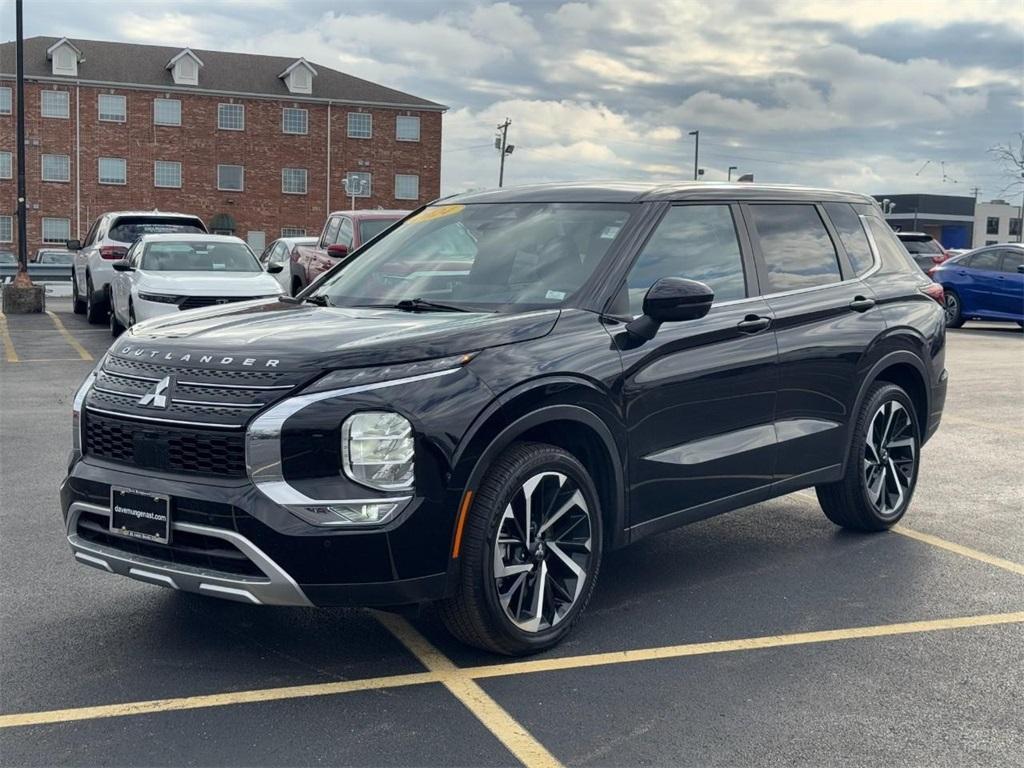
(108, 240)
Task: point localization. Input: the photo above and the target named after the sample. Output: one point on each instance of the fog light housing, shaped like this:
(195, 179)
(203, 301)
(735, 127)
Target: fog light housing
(377, 450)
(349, 513)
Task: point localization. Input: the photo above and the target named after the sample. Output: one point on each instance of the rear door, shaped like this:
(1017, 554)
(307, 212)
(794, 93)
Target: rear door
(699, 398)
(826, 319)
(983, 284)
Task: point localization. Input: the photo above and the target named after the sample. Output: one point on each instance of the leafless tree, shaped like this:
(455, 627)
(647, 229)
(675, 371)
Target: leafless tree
(1010, 157)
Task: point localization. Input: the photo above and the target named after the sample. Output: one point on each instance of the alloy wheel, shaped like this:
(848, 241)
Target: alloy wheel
(890, 456)
(952, 307)
(542, 551)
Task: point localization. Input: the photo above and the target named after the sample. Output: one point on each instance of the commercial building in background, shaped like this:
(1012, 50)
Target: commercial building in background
(259, 146)
(956, 221)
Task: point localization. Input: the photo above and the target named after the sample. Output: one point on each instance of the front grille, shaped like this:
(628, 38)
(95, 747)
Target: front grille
(185, 548)
(165, 448)
(194, 302)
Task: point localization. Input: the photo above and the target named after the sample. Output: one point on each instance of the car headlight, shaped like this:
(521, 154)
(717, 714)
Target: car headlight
(159, 298)
(78, 402)
(377, 450)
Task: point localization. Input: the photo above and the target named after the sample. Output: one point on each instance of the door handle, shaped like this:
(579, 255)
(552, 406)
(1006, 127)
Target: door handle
(861, 304)
(753, 323)
(961, 272)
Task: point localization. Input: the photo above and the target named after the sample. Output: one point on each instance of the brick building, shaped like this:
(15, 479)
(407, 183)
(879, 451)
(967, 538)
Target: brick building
(258, 146)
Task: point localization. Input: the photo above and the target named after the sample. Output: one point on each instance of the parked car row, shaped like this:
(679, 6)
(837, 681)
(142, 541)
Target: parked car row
(984, 284)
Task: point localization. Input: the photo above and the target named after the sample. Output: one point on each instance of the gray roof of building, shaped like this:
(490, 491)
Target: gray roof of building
(137, 65)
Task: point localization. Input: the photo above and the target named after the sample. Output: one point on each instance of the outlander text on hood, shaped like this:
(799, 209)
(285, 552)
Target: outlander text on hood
(476, 406)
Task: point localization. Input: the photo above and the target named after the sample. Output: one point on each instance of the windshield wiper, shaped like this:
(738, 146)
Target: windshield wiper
(416, 305)
(319, 299)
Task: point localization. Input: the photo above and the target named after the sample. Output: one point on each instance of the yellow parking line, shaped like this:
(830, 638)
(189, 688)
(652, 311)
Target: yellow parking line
(448, 674)
(82, 351)
(960, 549)
(8, 343)
(508, 731)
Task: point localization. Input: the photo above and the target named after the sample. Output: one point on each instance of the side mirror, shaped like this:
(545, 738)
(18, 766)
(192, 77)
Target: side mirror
(671, 300)
(123, 265)
(73, 245)
(274, 269)
(1020, 268)
(337, 250)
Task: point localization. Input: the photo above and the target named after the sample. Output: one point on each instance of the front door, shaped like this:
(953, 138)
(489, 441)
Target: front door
(699, 398)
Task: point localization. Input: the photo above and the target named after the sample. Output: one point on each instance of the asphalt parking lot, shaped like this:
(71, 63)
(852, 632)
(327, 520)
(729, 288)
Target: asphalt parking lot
(764, 637)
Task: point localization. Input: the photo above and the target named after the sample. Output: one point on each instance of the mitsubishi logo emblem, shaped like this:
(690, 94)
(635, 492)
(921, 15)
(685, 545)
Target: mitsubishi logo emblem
(158, 396)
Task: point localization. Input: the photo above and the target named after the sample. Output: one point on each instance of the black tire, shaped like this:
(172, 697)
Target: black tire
(474, 613)
(855, 502)
(116, 329)
(954, 309)
(77, 302)
(95, 311)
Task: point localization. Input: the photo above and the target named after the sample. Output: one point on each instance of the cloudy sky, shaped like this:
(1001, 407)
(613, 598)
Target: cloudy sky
(843, 93)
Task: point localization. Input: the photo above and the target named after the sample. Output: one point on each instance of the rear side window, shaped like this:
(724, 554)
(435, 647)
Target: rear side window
(986, 261)
(796, 247)
(692, 241)
(128, 229)
(893, 254)
(851, 232)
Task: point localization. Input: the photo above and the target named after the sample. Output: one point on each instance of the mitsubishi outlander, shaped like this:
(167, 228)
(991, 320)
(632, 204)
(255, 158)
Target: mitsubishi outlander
(474, 407)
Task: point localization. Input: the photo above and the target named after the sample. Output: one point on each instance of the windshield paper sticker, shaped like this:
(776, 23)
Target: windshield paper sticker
(436, 212)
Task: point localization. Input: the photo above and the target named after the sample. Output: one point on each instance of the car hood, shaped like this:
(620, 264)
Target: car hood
(208, 283)
(305, 336)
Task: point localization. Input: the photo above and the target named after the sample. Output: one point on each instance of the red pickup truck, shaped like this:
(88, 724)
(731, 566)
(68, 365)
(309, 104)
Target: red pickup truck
(343, 232)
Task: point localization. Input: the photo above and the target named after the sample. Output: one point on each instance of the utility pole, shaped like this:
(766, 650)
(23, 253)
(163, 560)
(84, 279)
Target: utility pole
(731, 169)
(696, 152)
(504, 148)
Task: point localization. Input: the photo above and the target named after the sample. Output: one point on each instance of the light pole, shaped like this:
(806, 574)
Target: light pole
(696, 151)
(354, 188)
(731, 169)
(22, 277)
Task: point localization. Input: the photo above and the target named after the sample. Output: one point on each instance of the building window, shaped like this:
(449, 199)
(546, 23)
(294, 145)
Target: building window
(293, 181)
(6, 229)
(167, 173)
(113, 170)
(5, 100)
(294, 120)
(407, 187)
(230, 178)
(407, 128)
(991, 242)
(360, 125)
(992, 225)
(231, 117)
(1015, 227)
(56, 168)
(112, 108)
(358, 184)
(287, 231)
(166, 112)
(54, 104)
(6, 165)
(56, 230)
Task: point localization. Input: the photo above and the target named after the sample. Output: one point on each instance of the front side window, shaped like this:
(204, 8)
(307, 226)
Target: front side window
(360, 125)
(231, 117)
(54, 104)
(487, 257)
(230, 178)
(6, 165)
(330, 231)
(166, 112)
(358, 184)
(198, 256)
(56, 168)
(986, 261)
(56, 230)
(113, 170)
(797, 250)
(112, 108)
(851, 232)
(6, 104)
(294, 120)
(407, 128)
(167, 173)
(992, 225)
(293, 181)
(407, 186)
(697, 242)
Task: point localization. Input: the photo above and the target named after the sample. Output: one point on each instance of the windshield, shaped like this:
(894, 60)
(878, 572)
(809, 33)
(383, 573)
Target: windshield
(922, 246)
(128, 229)
(198, 256)
(370, 228)
(492, 257)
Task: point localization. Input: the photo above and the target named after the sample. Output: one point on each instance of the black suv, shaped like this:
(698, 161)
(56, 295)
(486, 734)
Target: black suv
(475, 406)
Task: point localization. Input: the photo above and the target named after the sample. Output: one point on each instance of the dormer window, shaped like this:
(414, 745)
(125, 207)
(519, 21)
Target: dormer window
(299, 77)
(185, 68)
(64, 57)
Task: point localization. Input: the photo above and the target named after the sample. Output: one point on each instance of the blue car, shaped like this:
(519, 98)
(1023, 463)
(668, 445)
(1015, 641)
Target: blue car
(984, 284)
